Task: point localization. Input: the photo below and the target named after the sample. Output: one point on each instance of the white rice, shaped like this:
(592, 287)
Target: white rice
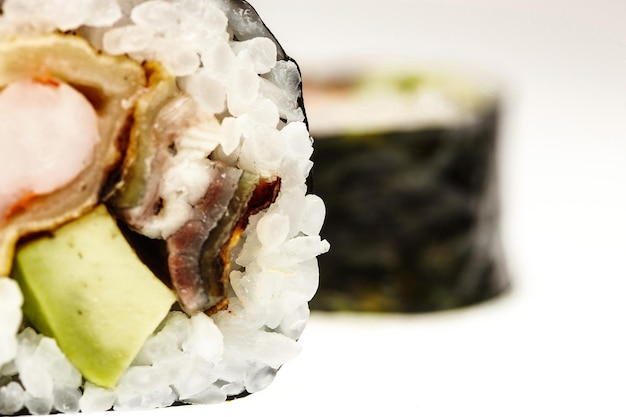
(199, 359)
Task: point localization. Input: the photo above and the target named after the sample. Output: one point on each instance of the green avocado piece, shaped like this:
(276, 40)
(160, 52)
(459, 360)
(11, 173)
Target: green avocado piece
(84, 285)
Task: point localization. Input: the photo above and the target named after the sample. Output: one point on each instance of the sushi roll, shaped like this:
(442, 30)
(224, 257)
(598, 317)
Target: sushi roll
(158, 238)
(406, 162)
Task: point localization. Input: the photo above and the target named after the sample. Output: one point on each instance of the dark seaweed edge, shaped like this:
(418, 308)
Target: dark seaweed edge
(245, 11)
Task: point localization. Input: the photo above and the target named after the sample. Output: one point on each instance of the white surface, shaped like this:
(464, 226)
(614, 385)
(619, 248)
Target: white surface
(555, 346)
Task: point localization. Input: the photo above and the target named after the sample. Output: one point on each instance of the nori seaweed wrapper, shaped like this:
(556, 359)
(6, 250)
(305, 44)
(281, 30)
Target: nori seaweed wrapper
(412, 214)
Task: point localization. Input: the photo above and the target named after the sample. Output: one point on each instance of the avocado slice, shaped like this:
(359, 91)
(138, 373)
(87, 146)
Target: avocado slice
(84, 285)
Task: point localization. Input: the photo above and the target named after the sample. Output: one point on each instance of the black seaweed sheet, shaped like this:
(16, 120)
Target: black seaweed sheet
(412, 217)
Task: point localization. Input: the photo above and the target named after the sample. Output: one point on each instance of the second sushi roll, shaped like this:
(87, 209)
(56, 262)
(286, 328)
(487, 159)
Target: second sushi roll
(406, 160)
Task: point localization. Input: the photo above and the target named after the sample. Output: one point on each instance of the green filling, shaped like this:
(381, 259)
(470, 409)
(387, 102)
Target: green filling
(84, 286)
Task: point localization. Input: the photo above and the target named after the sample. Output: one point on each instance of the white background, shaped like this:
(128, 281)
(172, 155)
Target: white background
(555, 345)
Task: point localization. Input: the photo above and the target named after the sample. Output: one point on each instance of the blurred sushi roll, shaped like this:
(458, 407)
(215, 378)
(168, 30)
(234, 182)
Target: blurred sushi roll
(406, 162)
(158, 241)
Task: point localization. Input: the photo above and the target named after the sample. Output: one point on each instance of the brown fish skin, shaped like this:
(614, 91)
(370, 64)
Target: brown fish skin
(184, 246)
(253, 195)
(198, 254)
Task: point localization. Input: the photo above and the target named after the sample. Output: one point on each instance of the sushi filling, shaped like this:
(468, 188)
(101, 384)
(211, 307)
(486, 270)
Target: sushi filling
(206, 153)
(38, 158)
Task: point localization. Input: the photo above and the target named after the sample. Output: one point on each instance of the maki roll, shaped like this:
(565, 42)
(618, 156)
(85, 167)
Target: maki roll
(158, 241)
(406, 162)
